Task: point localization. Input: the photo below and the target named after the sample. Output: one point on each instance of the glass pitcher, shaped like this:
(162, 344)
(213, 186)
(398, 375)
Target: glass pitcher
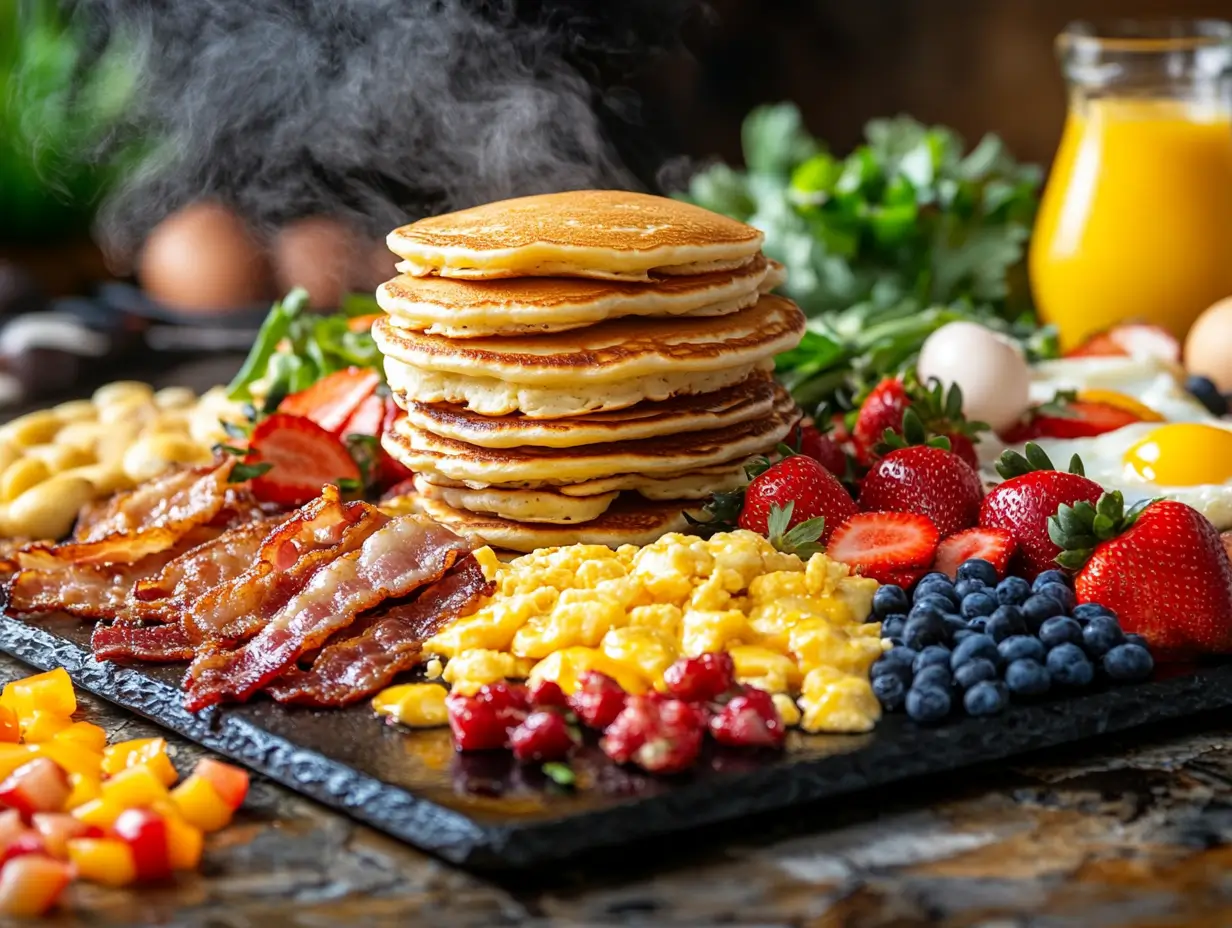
(1136, 218)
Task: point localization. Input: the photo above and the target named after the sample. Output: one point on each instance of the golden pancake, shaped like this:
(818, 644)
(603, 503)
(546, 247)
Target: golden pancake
(541, 305)
(631, 521)
(750, 399)
(538, 505)
(617, 350)
(607, 234)
(674, 455)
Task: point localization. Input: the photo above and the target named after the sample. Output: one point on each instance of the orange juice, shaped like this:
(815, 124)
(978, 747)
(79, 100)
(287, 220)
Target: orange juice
(1136, 220)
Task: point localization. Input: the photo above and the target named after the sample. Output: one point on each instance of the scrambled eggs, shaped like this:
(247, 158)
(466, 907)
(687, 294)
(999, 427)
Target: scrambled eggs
(796, 629)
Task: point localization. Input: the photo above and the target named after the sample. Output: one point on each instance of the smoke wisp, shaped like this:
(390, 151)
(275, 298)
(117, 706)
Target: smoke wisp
(378, 111)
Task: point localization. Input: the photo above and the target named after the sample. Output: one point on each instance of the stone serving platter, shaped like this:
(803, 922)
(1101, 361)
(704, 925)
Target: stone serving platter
(485, 812)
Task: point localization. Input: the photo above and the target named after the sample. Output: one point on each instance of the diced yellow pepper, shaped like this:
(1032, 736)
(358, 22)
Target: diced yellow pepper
(13, 756)
(184, 844)
(135, 788)
(10, 726)
(85, 789)
(72, 757)
(108, 861)
(101, 813)
(200, 805)
(43, 725)
(87, 734)
(152, 752)
(51, 692)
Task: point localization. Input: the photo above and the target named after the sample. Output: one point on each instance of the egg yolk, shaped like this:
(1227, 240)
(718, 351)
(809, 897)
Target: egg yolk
(1183, 454)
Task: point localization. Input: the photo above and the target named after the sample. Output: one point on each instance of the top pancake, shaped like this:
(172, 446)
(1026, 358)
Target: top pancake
(611, 351)
(605, 234)
(542, 305)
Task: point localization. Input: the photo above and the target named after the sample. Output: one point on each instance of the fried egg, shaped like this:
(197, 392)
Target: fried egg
(1180, 451)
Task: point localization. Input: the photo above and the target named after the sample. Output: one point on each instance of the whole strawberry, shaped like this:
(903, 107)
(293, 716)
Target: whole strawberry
(1030, 495)
(823, 449)
(926, 480)
(789, 496)
(882, 409)
(1160, 567)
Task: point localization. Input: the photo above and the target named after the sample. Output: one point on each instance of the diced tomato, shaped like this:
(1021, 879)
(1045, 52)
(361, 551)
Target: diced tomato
(56, 829)
(230, 781)
(28, 843)
(333, 399)
(1134, 340)
(304, 456)
(39, 786)
(145, 833)
(32, 884)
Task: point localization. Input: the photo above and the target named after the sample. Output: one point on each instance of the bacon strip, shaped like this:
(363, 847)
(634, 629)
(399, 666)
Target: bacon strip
(311, 538)
(166, 595)
(351, 670)
(92, 591)
(144, 521)
(126, 641)
(396, 560)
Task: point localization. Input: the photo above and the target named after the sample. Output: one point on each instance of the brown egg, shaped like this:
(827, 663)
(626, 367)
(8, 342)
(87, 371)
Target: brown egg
(318, 254)
(205, 259)
(1208, 347)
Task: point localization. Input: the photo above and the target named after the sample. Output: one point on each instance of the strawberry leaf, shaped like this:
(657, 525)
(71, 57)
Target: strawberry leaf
(242, 471)
(1079, 529)
(800, 539)
(1012, 464)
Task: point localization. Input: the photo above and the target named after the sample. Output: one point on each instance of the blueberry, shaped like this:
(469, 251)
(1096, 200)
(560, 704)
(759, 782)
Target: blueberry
(890, 691)
(964, 588)
(978, 603)
(1205, 392)
(1068, 666)
(1013, 591)
(1061, 593)
(889, 599)
(883, 668)
(929, 704)
(892, 626)
(1084, 612)
(979, 624)
(935, 675)
(963, 635)
(1027, 677)
(934, 575)
(1021, 647)
(1058, 630)
(971, 648)
(974, 672)
(933, 602)
(953, 624)
(901, 655)
(1048, 577)
(976, 568)
(1038, 608)
(933, 655)
(923, 630)
(1101, 635)
(942, 587)
(1006, 621)
(1128, 663)
(989, 697)
(1134, 638)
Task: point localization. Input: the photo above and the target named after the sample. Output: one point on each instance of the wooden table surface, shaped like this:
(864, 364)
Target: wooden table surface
(1127, 831)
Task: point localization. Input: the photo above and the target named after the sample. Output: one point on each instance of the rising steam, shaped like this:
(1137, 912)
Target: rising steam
(376, 110)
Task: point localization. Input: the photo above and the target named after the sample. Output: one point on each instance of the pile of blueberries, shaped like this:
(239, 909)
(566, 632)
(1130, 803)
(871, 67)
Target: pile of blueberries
(980, 642)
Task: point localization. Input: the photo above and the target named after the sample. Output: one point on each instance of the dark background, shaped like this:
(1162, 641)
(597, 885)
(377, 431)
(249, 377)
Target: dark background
(976, 65)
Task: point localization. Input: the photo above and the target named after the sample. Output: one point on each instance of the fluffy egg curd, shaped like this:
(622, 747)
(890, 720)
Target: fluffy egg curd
(796, 629)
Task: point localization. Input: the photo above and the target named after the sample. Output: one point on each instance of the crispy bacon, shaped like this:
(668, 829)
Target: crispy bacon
(92, 590)
(127, 641)
(166, 595)
(353, 669)
(396, 560)
(312, 537)
(147, 520)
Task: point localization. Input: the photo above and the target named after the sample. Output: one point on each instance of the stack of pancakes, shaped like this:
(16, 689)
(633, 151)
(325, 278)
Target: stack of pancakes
(581, 367)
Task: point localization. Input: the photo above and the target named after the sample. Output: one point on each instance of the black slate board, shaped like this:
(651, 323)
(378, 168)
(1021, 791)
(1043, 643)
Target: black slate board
(483, 812)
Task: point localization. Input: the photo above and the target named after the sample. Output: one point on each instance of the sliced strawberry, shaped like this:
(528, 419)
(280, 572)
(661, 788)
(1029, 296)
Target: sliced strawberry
(333, 399)
(884, 544)
(995, 545)
(904, 578)
(1085, 420)
(304, 457)
(392, 472)
(1133, 340)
